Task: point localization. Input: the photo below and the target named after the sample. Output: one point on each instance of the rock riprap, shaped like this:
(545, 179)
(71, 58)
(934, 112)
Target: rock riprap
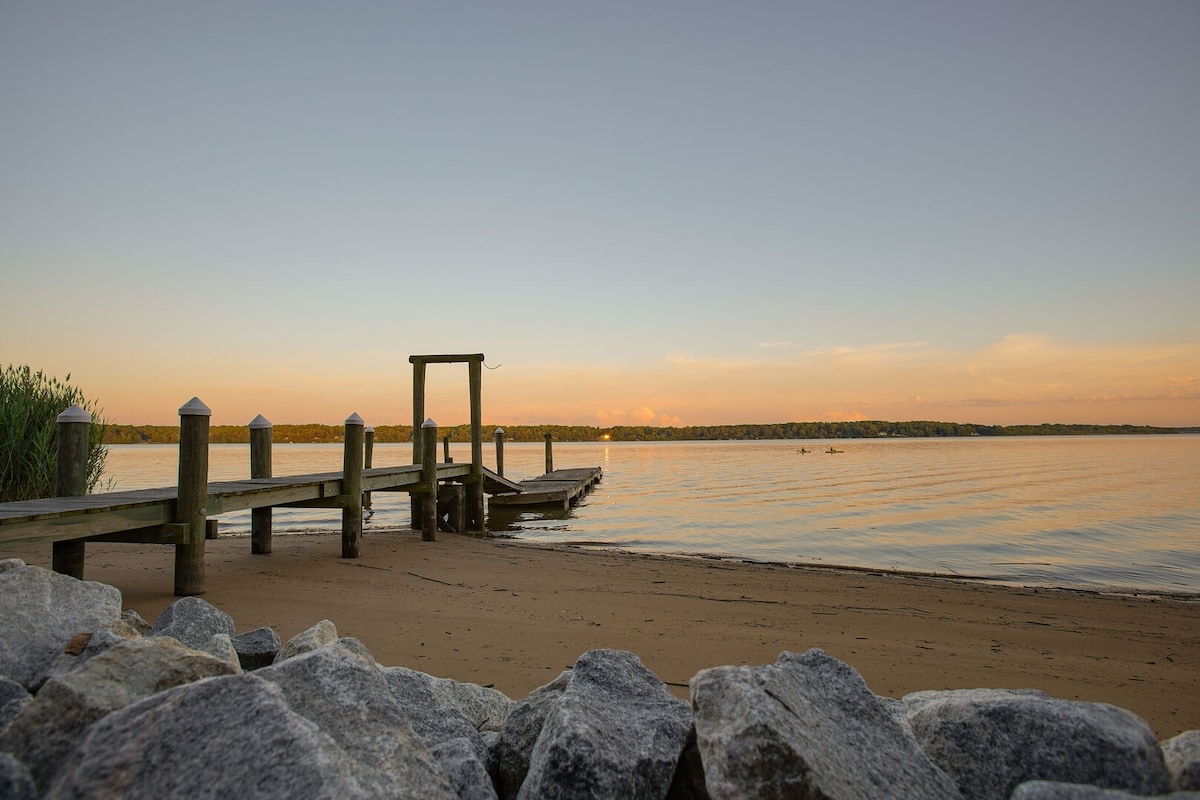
(41, 612)
(96, 703)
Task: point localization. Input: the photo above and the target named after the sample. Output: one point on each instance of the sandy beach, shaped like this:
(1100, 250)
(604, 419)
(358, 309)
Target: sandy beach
(513, 615)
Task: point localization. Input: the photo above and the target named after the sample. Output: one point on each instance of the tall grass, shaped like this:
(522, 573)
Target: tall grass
(30, 403)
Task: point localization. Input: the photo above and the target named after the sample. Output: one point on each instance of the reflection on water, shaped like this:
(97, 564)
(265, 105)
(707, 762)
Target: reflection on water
(514, 519)
(1065, 511)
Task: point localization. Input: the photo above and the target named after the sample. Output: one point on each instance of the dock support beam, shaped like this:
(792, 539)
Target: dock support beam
(192, 497)
(260, 467)
(429, 482)
(74, 430)
(475, 521)
(352, 501)
(549, 453)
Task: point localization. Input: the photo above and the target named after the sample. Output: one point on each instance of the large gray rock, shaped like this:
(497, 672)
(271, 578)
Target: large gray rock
(193, 621)
(40, 612)
(616, 732)
(431, 719)
(346, 696)
(1050, 790)
(520, 732)
(460, 762)
(991, 740)
(13, 698)
(15, 781)
(1182, 754)
(319, 635)
(483, 707)
(256, 648)
(806, 726)
(441, 709)
(47, 729)
(232, 736)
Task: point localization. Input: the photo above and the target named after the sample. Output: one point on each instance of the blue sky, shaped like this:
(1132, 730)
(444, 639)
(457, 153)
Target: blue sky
(670, 213)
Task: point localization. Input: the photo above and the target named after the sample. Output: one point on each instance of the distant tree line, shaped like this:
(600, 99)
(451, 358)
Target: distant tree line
(863, 429)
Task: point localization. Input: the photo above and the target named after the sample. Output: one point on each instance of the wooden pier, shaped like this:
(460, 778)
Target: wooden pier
(445, 496)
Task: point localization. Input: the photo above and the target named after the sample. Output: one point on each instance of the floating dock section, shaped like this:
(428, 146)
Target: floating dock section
(561, 487)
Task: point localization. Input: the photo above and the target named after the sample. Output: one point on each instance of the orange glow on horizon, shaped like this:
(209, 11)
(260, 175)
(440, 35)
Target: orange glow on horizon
(1018, 380)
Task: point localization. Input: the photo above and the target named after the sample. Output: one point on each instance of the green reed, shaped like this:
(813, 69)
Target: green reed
(30, 403)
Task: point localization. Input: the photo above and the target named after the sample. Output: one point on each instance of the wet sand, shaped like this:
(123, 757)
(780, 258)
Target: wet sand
(513, 615)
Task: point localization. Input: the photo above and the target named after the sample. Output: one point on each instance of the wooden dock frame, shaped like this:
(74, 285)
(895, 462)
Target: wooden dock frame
(473, 482)
(184, 516)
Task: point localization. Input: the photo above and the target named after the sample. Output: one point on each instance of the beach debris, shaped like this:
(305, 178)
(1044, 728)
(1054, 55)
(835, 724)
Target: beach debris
(992, 740)
(257, 648)
(87, 645)
(127, 715)
(41, 612)
(808, 720)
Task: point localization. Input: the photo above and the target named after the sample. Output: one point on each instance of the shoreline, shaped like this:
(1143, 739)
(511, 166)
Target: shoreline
(609, 547)
(513, 614)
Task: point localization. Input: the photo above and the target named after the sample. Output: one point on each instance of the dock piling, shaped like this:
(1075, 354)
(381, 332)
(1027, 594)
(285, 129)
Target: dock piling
(74, 430)
(368, 458)
(192, 497)
(352, 474)
(475, 510)
(549, 453)
(260, 467)
(429, 482)
(500, 452)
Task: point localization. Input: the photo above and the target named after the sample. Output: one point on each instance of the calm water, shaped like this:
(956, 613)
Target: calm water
(1087, 511)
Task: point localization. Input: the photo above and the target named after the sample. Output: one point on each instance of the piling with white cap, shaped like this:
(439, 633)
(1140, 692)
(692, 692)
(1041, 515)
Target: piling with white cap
(192, 496)
(74, 435)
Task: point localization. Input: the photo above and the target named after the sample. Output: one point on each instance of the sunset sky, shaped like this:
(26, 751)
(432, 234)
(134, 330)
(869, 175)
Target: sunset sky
(658, 213)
